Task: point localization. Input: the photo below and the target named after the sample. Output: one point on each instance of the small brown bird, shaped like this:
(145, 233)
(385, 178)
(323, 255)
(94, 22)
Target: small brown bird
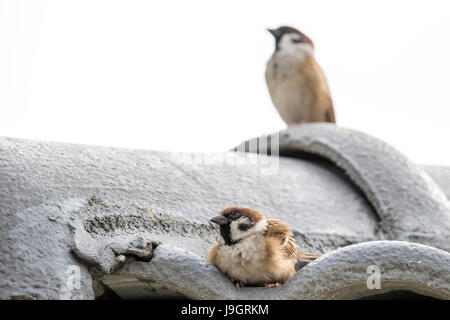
(296, 84)
(254, 250)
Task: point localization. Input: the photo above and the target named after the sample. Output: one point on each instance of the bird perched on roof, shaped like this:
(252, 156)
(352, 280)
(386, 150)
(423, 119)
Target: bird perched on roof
(296, 83)
(253, 250)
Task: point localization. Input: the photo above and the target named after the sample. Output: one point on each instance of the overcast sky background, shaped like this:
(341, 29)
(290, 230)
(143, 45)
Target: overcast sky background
(189, 75)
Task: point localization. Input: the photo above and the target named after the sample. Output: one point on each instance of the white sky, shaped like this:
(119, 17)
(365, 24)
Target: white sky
(189, 75)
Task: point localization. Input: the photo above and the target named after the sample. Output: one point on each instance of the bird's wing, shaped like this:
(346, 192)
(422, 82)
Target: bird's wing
(280, 230)
(318, 83)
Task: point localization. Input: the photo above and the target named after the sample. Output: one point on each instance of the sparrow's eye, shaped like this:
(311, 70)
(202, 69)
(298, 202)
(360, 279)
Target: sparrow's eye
(297, 39)
(235, 215)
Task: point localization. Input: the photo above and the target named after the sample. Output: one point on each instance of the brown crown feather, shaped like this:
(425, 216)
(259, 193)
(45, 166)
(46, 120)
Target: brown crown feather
(287, 29)
(254, 214)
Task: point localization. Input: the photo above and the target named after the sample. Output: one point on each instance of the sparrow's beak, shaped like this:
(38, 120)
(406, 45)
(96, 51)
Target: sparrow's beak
(220, 220)
(274, 32)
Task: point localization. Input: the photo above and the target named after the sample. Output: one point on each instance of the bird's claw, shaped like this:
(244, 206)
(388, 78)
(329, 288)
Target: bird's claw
(272, 285)
(238, 284)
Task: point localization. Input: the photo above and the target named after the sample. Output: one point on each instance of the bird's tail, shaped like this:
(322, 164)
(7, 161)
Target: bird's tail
(306, 256)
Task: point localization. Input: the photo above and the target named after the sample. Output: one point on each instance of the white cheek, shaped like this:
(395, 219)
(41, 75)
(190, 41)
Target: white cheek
(237, 234)
(286, 44)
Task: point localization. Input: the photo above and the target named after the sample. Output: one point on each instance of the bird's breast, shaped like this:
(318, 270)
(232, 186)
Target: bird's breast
(246, 260)
(284, 64)
(250, 249)
(292, 98)
(290, 87)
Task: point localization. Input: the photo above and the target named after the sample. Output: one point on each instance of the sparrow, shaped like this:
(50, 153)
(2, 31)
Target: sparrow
(297, 86)
(253, 250)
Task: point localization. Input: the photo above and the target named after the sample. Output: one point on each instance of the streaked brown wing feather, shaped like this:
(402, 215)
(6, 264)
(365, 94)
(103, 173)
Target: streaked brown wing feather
(318, 83)
(277, 229)
(289, 249)
(280, 230)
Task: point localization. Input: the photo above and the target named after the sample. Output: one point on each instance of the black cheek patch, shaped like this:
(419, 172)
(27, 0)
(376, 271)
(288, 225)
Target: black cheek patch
(244, 226)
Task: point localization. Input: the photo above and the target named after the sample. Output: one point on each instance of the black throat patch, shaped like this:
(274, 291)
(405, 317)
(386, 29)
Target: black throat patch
(225, 232)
